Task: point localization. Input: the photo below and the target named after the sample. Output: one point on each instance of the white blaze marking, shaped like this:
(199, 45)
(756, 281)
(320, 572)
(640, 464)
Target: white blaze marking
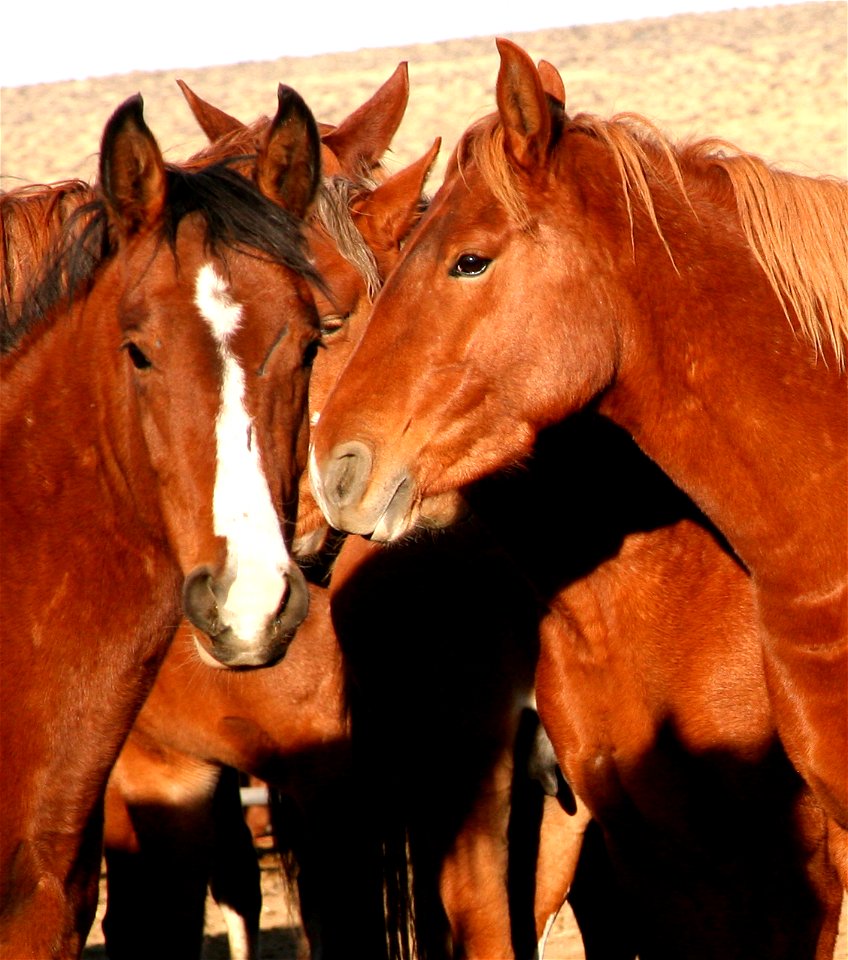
(243, 510)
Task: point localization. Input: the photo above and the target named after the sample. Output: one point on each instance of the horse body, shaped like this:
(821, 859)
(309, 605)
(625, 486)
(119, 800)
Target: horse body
(648, 286)
(651, 686)
(109, 531)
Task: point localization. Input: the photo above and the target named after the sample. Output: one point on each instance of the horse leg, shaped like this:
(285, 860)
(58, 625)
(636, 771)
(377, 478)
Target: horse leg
(235, 882)
(57, 879)
(321, 825)
(473, 883)
(158, 840)
(560, 841)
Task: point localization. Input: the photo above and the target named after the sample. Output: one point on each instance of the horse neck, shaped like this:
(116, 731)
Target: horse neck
(711, 375)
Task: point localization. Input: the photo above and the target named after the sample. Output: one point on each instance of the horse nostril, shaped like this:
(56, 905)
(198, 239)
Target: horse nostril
(200, 603)
(296, 603)
(348, 473)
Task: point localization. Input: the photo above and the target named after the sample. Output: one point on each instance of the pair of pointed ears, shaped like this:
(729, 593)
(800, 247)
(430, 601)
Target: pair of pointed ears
(133, 178)
(531, 104)
(355, 146)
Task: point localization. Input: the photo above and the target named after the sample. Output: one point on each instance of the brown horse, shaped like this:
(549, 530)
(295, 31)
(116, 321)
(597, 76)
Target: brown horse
(651, 686)
(285, 724)
(567, 262)
(136, 353)
(634, 576)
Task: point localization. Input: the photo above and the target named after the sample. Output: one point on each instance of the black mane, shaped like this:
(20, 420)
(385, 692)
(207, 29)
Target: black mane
(238, 216)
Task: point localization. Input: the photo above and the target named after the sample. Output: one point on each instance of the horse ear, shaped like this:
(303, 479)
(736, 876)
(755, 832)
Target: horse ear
(213, 122)
(523, 106)
(132, 171)
(288, 165)
(387, 214)
(359, 141)
(552, 82)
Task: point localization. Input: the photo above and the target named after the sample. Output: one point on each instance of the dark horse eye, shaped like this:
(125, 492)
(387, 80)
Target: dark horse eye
(138, 357)
(470, 265)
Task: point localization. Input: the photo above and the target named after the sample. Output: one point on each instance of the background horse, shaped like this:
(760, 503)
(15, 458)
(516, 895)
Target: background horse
(172, 819)
(107, 525)
(565, 262)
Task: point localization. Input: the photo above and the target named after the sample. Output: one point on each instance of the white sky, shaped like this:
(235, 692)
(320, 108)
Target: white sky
(49, 40)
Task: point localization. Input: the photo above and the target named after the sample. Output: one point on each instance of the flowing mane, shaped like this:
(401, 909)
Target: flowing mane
(236, 214)
(794, 225)
(30, 219)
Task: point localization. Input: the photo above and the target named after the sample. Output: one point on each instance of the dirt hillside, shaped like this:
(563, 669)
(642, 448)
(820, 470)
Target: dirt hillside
(771, 80)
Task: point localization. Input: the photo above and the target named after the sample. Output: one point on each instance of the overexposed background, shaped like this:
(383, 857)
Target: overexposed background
(53, 40)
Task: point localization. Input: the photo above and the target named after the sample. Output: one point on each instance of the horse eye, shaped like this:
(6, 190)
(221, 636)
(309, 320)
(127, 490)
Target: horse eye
(332, 324)
(470, 265)
(139, 359)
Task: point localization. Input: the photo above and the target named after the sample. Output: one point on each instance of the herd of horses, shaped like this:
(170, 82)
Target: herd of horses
(503, 534)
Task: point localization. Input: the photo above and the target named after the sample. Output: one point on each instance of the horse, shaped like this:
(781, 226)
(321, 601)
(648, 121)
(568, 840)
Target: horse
(172, 818)
(640, 759)
(110, 532)
(694, 295)
(164, 799)
(353, 148)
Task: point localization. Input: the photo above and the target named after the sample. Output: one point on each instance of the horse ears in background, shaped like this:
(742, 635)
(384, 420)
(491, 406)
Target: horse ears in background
(552, 82)
(362, 138)
(523, 106)
(212, 120)
(132, 171)
(288, 165)
(385, 216)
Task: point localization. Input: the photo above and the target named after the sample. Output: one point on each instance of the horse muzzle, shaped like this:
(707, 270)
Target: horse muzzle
(355, 499)
(220, 642)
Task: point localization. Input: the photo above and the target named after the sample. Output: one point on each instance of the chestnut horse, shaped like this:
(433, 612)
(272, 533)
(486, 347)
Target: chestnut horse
(697, 299)
(285, 724)
(156, 302)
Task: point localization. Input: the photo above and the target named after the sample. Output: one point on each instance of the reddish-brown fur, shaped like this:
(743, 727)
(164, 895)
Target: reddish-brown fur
(609, 283)
(99, 527)
(604, 283)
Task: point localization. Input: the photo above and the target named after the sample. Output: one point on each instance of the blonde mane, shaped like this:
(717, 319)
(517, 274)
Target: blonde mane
(795, 226)
(332, 209)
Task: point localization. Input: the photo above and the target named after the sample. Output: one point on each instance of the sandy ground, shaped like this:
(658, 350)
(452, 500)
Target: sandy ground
(772, 81)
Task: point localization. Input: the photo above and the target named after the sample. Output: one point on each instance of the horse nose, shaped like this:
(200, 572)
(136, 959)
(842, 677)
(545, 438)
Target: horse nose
(347, 473)
(220, 642)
